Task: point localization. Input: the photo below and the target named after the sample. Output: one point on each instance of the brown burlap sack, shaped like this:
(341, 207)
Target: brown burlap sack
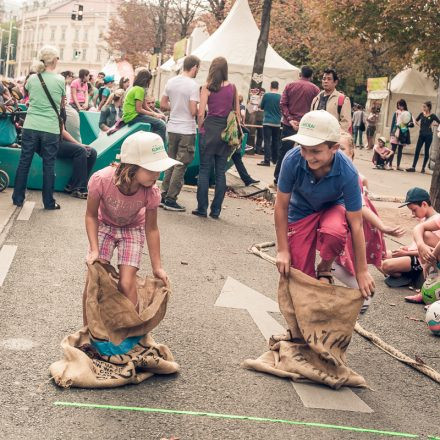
(320, 320)
(112, 317)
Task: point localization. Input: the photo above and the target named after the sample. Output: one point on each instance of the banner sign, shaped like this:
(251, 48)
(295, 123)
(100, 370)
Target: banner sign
(377, 84)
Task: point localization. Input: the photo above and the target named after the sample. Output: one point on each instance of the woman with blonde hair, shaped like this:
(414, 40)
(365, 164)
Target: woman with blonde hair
(42, 127)
(221, 97)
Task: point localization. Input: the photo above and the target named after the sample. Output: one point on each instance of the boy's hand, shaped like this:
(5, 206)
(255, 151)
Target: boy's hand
(426, 254)
(161, 274)
(283, 262)
(92, 256)
(402, 252)
(366, 284)
(396, 231)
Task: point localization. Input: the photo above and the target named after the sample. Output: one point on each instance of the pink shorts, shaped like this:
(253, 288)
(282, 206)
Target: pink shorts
(129, 241)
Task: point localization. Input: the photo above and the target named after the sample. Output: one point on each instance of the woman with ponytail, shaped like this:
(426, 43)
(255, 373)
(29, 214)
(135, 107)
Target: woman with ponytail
(41, 129)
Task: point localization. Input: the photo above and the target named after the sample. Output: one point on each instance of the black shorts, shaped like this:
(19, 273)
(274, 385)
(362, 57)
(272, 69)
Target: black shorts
(416, 267)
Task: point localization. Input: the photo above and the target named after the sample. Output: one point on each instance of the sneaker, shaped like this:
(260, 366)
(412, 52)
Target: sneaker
(198, 213)
(248, 148)
(423, 171)
(172, 205)
(399, 169)
(415, 299)
(263, 163)
(410, 170)
(162, 201)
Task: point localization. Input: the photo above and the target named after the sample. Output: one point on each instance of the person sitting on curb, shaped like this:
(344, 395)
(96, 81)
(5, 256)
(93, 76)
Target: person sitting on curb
(403, 265)
(382, 155)
(318, 200)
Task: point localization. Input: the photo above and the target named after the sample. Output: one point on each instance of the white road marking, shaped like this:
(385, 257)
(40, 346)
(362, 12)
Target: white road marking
(236, 295)
(26, 211)
(6, 256)
(17, 344)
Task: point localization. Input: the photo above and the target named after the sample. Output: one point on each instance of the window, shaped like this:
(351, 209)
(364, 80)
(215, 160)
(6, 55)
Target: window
(52, 33)
(77, 34)
(86, 34)
(63, 34)
(84, 54)
(61, 53)
(98, 55)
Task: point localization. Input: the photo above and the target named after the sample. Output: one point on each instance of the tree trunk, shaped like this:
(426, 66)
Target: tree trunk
(435, 182)
(263, 41)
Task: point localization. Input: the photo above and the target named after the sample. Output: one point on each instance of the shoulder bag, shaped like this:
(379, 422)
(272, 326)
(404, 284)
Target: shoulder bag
(52, 103)
(232, 133)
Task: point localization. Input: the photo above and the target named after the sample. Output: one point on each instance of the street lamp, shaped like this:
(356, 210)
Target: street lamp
(8, 55)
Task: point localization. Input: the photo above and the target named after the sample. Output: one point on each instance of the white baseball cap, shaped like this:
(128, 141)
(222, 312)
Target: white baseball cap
(146, 150)
(316, 127)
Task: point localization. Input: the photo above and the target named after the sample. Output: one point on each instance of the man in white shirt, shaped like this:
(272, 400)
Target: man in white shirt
(181, 96)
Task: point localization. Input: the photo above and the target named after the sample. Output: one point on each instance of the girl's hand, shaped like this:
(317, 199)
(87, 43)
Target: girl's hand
(92, 256)
(161, 275)
(396, 231)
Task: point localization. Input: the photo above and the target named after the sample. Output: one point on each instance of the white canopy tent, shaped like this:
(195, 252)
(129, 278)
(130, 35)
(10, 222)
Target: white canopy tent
(414, 87)
(236, 40)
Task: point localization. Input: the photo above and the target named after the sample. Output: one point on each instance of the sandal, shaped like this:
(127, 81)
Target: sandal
(79, 194)
(327, 275)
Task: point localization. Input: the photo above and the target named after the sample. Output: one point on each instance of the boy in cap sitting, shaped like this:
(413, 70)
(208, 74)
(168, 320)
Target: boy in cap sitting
(318, 200)
(404, 266)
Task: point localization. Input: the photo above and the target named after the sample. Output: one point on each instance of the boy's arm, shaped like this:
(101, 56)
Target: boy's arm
(281, 222)
(165, 103)
(92, 228)
(425, 252)
(153, 242)
(364, 279)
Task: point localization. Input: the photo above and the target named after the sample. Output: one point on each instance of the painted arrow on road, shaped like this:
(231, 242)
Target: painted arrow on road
(236, 295)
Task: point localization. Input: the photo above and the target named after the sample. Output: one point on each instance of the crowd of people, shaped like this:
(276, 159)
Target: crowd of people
(321, 204)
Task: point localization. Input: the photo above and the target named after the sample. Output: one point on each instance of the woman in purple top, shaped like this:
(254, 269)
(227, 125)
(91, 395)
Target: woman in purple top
(218, 94)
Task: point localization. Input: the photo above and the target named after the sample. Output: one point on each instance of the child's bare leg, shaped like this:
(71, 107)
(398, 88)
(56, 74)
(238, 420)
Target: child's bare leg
(430, 239)
(324, 267)
(127, 282)
(396, 266)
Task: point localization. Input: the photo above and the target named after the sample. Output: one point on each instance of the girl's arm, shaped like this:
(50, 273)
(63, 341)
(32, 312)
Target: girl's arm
(204, 94)
(68, 137)
(369, 216)
(153, 242)
(75, 98)
(364, 279)
(92, 228)
(142, 111)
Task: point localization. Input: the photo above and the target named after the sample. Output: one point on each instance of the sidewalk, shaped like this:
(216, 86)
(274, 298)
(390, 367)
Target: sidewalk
(6, 209)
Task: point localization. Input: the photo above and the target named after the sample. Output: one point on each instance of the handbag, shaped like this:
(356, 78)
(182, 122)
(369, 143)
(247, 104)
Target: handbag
(52, 103)
(232, 133)
(362, 126)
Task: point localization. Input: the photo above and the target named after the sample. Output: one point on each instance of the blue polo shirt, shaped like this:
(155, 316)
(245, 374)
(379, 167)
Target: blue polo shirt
(339, 187)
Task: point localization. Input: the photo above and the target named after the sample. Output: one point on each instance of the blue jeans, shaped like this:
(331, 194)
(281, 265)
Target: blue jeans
(46, 145)
(157, 125)
(83, 161)
(357, 133)
(206, 162)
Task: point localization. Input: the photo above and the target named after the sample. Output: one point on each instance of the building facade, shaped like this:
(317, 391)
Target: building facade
(80, 42)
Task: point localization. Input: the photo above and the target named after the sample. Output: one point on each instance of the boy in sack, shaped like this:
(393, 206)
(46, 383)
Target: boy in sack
(318, 199)
(122, 210)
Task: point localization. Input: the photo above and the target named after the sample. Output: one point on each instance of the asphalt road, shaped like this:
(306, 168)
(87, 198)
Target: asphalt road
(41, 303)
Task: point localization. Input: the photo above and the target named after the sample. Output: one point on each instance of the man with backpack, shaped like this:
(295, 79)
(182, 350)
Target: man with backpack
(329, 99)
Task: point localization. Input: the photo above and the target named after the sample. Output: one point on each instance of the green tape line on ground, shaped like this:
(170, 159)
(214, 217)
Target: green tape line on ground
(236, 417)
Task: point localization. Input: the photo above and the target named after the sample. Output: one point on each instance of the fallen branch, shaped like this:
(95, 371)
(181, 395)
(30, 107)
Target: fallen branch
(259, 250)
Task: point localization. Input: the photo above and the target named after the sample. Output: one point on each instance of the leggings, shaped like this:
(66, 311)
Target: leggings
(399, 153)
(423, 139)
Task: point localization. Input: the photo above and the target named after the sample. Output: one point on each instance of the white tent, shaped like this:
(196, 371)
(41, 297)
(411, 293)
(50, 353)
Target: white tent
(415, 88)
(236, 40)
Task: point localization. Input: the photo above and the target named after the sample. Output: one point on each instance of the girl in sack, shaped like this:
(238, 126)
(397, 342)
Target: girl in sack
(122, 211)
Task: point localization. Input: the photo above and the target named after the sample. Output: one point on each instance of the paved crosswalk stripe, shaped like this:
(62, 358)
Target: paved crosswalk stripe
(26, 211)
(6, 256)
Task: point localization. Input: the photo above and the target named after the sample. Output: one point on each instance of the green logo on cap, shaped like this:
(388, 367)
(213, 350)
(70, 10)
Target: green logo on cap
(158, 149)
(308, 125)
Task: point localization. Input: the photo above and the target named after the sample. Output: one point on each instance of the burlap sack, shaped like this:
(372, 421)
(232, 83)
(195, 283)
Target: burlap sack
(320, 320)
(112, 317)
